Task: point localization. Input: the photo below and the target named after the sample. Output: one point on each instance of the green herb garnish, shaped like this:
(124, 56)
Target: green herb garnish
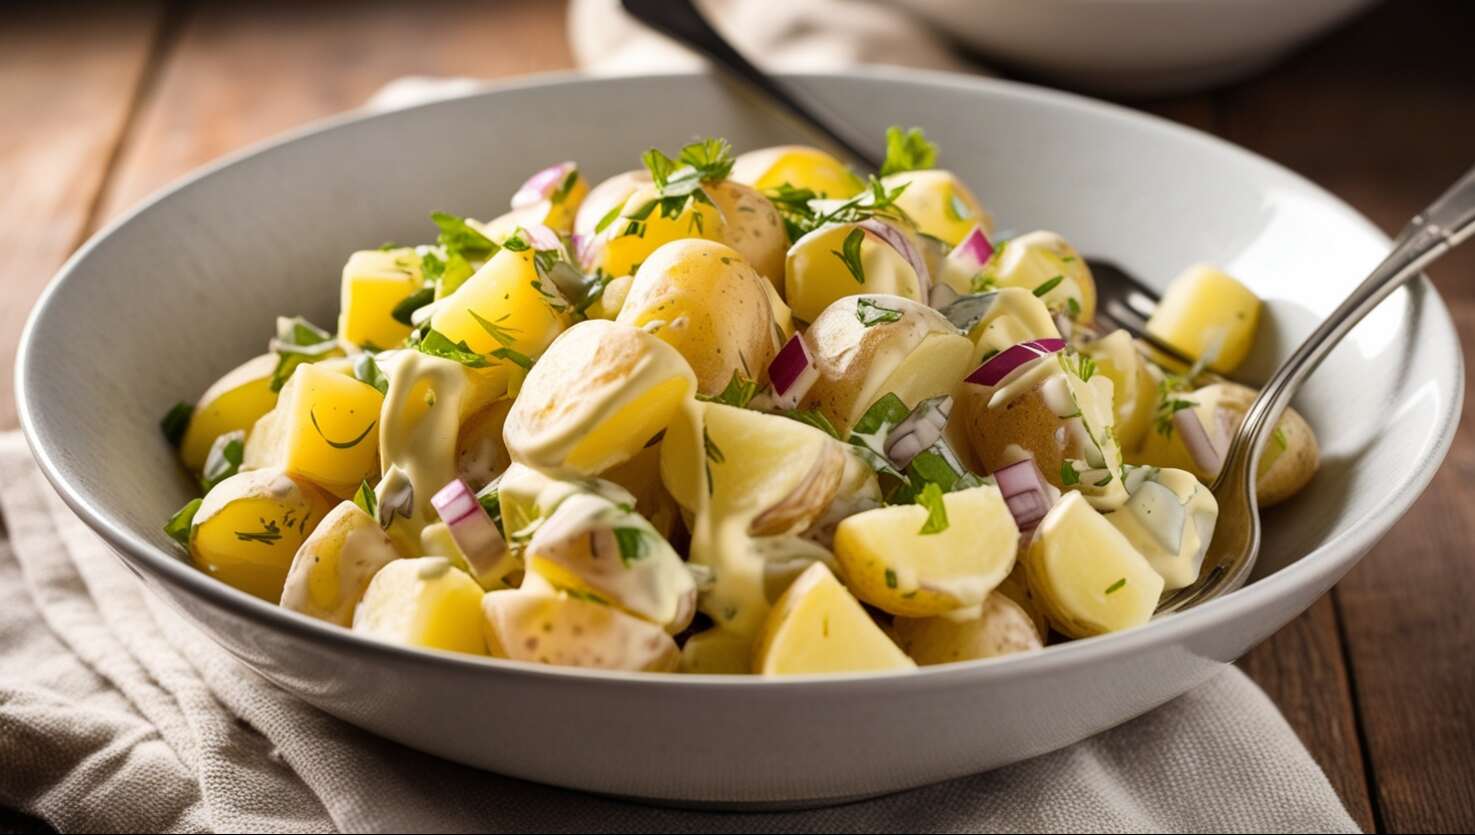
(405, 310)
(182, 522)
(437, 344)
(907, 150)
(521, 359)
(890, 579)
(367, 500)
(632, 543)
(1068, 474)
(872, 313)
(815, 418)
(459, 237)
(1114, 587)
(930, 497)
(224, 459)
(176, 421)
(1044, 289)
(849, 255)
(739, 391)
(366, 370)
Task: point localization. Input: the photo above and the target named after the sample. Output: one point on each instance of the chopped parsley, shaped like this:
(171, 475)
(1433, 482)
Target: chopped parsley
(739, 392)
(800, 217)
(437, 344)
(490, 499)
(367, 500)
(632, 543)
(1114, 587)
(907, 150)
(505, 336)
(298, 341)
(872, 313)
(712, 451)
(224, 459)
(176, 421)
(849, 254)
(460, 238)
(566, 187)
(405, 310)
(930, 497)
(270, 533)
(890, 579)
(1044, 289)
(182, 522)
(520, 359)
(1073, 307)
(366, 370)
(815, 418)
(1068, 474)
(1170, 404)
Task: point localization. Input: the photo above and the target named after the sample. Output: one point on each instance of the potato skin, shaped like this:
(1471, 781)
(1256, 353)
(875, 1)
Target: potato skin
(1291, 468)
(1026, 421)
(752, 227)
(1001, 629)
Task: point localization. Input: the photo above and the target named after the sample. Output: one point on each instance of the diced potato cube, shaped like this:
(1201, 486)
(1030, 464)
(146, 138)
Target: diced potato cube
(1000, 628)
(324, 429)
(250, 526)
(1086, 575)
(799, 166)
(423, 602)
(505, 307)
(334, 565)
(551, 627)
(889, 563)
(235, 402)
(818, 627)
(939, 203)
(374, 281)
(1208, 315)
(599, 395)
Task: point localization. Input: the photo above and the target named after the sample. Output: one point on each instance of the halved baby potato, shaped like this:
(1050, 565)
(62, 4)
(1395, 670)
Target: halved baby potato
(889, 562)
(1039, 258)
(818, 627)
(871, 345)
(234, 402)
(709, 304)
(822, 267)
(940, 204)
(753, 227)
(1000, 628)
(631, 385)
(1086, 575)
(799, 166)
(250, 526)
(546, 626)
(324, 428)
(334, 565)
(423, 602)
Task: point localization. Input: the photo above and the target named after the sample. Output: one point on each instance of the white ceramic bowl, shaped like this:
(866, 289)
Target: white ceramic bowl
(162, 302)
(1136, 47)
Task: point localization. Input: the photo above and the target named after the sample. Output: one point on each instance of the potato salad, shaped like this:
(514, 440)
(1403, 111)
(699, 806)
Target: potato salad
(735, 414)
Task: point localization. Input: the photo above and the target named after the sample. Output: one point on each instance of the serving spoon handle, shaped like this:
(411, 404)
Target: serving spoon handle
(1445, 224)
(683, 21)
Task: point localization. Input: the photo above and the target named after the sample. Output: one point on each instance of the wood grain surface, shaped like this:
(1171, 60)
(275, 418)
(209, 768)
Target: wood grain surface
(1378, 678)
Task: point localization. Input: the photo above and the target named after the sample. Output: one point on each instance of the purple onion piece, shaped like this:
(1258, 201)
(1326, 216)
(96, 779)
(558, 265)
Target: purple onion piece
(999, 366)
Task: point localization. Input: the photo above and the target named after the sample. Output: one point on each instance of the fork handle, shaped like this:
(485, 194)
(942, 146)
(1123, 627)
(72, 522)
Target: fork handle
(1445, 224)
(685, 23)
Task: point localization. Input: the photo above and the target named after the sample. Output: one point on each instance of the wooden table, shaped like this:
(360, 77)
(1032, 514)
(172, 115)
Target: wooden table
(106, 104)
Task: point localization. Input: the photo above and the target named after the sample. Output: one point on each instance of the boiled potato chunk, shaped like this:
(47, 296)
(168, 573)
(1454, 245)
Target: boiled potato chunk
(552, 627)
(423, 602)
(753, 227)
(234, 402)
(250, 526)
(818, 627)
(1209, 316)
(798, 165)
(374, 281)
(324, 429)
(1134, 391)
(1016, 316)
(939, 203)
(598, 550)
(603, 198)
(1086, 574)
(889, 563)
(1033, 260)
(334, 565)
(641, 229)
(504, 305)
(1001, 628)
(816, 271)
(861, 356)
(641, 476)
(600, 394)
(717, 652)
(705, 301)
(1169, 520)
(481, 454)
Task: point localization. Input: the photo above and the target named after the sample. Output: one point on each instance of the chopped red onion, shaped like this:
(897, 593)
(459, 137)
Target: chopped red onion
(1200, 446)
(583, 246)
(472, 529)
(1025, 491)
(973, 251)
(920, 430)
(999, 366)
(792, 373)
(541, 237)
(902, 243)
(542, 185)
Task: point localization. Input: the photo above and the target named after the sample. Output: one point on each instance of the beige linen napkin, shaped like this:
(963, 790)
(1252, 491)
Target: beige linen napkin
(116, 714)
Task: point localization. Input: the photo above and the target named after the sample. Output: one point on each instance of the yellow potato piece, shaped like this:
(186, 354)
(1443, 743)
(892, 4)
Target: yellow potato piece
(333, 566)
(504, 305)
(374, 281)
(604, 197)
(816, 274)
(1206, 314)
(753, 227)
(705, 301)
(325, 429)
(1001, 628)
(550, 627)
(717, 652)
(641, 229)
(939, 203)
(889, 563)
(235, 401)
(1016, 316)
(249, 527)
(1134, 391)
(423, 602)
(1086, 575)
(818, 627)
(1030, 261)
(798, 165)
(599, 395)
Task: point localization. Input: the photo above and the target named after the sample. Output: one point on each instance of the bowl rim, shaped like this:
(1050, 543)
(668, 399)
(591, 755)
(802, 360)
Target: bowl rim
(1330, 559)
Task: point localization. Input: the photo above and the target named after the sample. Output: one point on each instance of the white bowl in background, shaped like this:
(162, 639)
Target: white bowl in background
(162, 302)
(1135, 47)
